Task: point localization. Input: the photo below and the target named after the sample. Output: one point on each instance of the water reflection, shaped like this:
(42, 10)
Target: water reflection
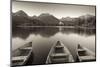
(50, 31)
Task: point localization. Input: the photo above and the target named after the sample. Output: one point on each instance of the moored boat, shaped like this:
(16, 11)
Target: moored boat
(84, 54)
(22, 55)
(59, 54)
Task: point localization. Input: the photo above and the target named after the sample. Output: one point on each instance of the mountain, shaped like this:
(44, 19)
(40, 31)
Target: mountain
(68, 21)
(84, 20)
(48, 19)
(20, 13)
(20, 18)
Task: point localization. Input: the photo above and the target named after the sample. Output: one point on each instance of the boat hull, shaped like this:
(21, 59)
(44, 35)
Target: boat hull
(57, 56)
(22, 55)
(85, 55)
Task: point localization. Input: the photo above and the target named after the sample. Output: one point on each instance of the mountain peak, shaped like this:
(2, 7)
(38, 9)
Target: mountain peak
(48, 19)
(21, 13)
(44, 14)
(66, 19)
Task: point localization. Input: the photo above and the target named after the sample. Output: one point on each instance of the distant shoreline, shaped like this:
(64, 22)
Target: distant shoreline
(58, 27)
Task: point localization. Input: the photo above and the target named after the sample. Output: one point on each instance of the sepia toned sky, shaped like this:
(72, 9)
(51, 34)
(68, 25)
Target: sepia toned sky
(58, 10)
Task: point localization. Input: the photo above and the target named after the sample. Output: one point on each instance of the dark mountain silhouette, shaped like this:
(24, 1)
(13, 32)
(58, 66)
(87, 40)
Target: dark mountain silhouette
(20, 13)
(20, 18)
(48, 19)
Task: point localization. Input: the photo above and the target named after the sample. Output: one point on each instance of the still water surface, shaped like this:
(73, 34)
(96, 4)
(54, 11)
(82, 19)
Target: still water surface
(44, 37)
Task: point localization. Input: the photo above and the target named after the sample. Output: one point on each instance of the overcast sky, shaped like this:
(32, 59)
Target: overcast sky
(58, 10)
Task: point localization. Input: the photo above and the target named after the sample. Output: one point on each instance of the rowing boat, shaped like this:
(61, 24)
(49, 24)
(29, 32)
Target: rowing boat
(84, 54)
(59, 54)
(22, 55)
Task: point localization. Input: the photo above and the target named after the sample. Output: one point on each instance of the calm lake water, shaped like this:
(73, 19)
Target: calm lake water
(44, 37)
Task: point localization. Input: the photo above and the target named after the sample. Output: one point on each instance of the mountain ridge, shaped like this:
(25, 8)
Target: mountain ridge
(46, 19)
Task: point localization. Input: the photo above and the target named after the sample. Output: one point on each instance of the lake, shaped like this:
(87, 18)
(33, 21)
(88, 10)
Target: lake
(44, 37)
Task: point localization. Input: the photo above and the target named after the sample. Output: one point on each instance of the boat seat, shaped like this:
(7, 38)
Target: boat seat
(60, 60)
(59, 47)
(18, 62)
(59, 55)
(81, 50)
(87, 58)
(26, 48)
(19, 58)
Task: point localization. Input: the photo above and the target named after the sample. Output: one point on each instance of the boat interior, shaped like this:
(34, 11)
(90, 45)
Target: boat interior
(85, 55)
(21, 54)
(81, 51)
(59, 55)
